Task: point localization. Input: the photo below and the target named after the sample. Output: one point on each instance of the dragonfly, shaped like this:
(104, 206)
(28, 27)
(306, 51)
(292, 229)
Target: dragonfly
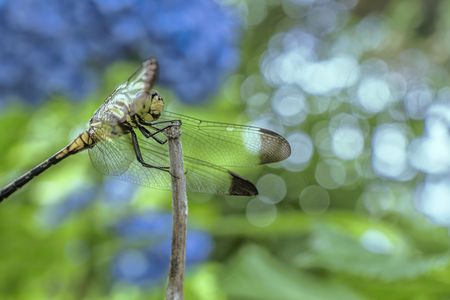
(126, 138)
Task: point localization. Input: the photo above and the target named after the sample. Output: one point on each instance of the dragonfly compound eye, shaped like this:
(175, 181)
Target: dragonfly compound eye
(156, 105)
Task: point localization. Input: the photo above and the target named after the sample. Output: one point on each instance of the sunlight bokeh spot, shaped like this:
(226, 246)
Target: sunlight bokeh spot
(314, 200)
(302, 150)
(431, 153)
(261, 214)
(272, 188)
(347, 142)
(389, 150)
(377, 242)
(417, 101)
(373, 94)
(289, 104)
(432, 199)
(330, 174)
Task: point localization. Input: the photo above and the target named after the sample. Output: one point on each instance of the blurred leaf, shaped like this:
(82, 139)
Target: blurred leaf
(293, 222)
(203, 283)
(253, 273)
(338, 251)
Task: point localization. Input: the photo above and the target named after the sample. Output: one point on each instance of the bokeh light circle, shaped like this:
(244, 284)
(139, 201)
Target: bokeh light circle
(373, 94)
(389, 152)
(314, 200)
(432, 199)
(302, 150)
(347, 142)
(260, 214)
(431, 153)
(330, 174)
(272, 188)
(290, 105)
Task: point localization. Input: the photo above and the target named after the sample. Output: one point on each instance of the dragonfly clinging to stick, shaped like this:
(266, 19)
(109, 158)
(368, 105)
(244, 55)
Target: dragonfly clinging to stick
(125, 138)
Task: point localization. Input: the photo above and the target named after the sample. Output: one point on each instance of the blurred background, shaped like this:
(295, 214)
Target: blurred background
(361, 90)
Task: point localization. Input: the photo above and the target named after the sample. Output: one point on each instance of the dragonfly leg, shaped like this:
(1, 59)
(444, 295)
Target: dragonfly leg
(138, 153)
(152, 125)
(148, 134)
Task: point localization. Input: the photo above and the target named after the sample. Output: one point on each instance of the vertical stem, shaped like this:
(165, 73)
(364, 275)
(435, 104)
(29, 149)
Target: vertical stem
(179, 215)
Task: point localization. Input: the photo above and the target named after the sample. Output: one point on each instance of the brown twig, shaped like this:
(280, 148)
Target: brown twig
(179, 215)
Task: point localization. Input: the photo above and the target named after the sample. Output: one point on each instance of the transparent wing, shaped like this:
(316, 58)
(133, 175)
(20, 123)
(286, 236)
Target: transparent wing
(111, 156)
(229, 144)
(116, 157)
(144, 77)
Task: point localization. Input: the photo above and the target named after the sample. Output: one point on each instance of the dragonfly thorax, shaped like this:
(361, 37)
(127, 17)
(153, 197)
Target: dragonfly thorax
(117, 113)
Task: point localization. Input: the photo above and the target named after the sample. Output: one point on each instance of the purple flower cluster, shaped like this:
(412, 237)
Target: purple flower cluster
(60, 46)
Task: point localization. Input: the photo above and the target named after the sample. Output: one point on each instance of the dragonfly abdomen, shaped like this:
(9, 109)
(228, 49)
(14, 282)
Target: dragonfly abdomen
(25, 178)
(83, 141)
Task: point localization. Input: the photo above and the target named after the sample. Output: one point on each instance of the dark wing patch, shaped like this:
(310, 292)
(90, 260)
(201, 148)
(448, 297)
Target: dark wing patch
(241, 187)
(276, 151)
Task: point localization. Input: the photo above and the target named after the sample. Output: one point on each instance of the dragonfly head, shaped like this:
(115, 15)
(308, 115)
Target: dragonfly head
(151, 106)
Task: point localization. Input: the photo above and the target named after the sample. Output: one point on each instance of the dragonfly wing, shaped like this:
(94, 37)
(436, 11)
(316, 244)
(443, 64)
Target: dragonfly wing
(200, 176)
(144, 77)
(111, 156)
(229, 144)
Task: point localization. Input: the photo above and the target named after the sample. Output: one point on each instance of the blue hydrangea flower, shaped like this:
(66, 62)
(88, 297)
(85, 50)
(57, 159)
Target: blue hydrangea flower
(117, 193)
(61, 46)
(139, 267)
(150, 225)
(77, 201)
(145, 259)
